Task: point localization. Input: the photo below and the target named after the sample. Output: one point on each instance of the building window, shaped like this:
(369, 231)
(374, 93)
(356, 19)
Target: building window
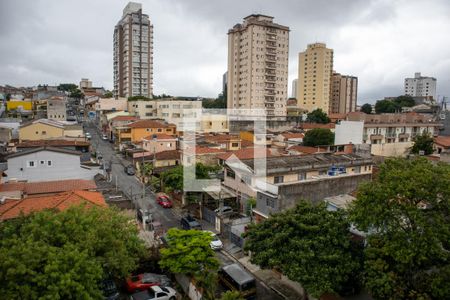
(278, 179)
(49, 163)
(231, 174)
(31, 164)
(322, 172)
(270, 202)
(234, 144)
(159, 130)
(42, 162)
(301, 176)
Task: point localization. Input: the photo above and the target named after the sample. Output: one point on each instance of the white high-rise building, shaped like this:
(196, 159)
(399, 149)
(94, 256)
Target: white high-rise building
(294, 88)
(258, 52)
(420, 86)
(133, 53)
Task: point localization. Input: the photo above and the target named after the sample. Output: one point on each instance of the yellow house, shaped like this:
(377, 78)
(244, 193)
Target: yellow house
(19, 104)
(44, 129)
(144, 128)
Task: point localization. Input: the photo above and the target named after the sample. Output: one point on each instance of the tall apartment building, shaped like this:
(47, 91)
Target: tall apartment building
(420, 86)
(258, 51)
(294, 88)
(344, 93)
(133, 53)
(315, 69)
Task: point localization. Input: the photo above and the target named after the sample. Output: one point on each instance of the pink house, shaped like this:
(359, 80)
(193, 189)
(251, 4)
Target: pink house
(159, 142)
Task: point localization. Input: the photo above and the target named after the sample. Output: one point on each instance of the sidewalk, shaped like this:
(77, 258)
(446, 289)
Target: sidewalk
(284, 287)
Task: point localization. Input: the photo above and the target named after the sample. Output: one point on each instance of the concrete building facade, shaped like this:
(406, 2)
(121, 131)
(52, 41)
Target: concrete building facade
(133, 53)
(420, 86)
(294, 88)
(258, 53)
(315, 67)
(344, 93)
(57, 109)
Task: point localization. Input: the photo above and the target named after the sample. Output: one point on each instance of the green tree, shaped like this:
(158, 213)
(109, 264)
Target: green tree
(405, 211)
(318, 116)
(76, 94)
(423, 142)
(366, 108)
(136, 98)
(385, 106)
(188, 252)
(108, 94)
(231, 295)
(309, 244)
(67, 87)
(318, 137)
(173, 178)
(56, 255)
(404, 101)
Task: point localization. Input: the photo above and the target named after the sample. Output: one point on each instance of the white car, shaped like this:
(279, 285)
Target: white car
(216, 243)
(88, 135)
(104, 137)
(156, 293)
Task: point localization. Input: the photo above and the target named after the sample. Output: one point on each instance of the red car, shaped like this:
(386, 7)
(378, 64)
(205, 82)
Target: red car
(144, 281)
(164, 201)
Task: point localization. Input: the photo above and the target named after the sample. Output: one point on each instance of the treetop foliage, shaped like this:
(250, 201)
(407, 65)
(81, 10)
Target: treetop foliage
(56, 255)
(395, 105)
(318, 116)
(318, 137)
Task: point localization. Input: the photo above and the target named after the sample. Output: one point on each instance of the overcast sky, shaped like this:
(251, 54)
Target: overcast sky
(380, 41)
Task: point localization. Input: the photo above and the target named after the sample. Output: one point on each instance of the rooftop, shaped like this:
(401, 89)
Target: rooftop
(49, 187)
(14, 208)
(442, 141)
(160, 136)
(52, 143)
(149, 124)
(45, 148)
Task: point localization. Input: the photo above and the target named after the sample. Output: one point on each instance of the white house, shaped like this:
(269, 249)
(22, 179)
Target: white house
(47, 164)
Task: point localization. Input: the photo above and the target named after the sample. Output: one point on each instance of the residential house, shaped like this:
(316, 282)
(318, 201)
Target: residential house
(138, 130)
(143, 109)
(159, 142)
(57, 108)
(22, 108)
(12, 123)
(442, 144)
(179, 112)
(42, 129)
(390, 134)
(82, 147)
(286, 180)
(116, 124)
(14, 208)
(5, 134)
(221, 141)
(288, 138)
(160, 160)
(214, 123)
(257, 138)
(107, 105)
(308, 126)
(201, 154)
(47, 164)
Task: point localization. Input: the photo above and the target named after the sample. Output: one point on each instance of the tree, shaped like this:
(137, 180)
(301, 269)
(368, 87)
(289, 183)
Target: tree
(318, 137)
(309, 244)
(366, 108)
(404, 101)
(136, 98)
(405, 211)
(108, 94)
(67, 87)
(76, 94)
(318, 116)
(188, 252)
(385, 106)
(173, 178)
(231, 295)
(423, 142)
(56, 255)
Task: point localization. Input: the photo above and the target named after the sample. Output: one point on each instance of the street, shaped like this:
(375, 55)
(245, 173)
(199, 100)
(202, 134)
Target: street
(169, 218)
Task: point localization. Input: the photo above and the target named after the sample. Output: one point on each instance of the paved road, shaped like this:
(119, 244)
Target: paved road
(130, 184)
(168, 217)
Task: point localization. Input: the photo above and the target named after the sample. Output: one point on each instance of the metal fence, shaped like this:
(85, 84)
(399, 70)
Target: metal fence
(208, 215)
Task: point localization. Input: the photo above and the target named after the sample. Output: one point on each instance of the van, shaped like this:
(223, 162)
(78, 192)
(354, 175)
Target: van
(235, 278)
(189, 222)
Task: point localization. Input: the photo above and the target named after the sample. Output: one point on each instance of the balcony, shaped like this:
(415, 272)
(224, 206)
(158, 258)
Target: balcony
(391, 135)
(271, 45)
(269, 92)
(269, 98)
(271, 37)
(271, 58)
(270, 72)
(270, 86)
(376, 137)
(271, 52)
(270, 78)
(271, 66)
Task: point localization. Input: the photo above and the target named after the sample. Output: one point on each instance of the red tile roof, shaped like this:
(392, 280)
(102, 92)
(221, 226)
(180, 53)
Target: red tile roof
(304, 149)
(13, 208)
(293, 135)
(124, 118)
(149, 124)
(246, 153)
(247, 144)
(317, 125)
(443, 141)
(206, 150)
(53, 143)
(221, 138)
(49, 187)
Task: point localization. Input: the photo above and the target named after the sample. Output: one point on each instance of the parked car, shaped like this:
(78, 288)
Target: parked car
(104, 137)
(164, 201)
(109, 289)
(189, 222)
(216, 243)
(155, 293)
(146, 280)
(130, 170)
(88, 135)
(223, 210)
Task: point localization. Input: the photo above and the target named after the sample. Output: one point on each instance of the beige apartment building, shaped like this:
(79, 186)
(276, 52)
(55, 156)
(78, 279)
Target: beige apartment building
(258, 52)
(133, 53)
(315, 69)
(344, 93)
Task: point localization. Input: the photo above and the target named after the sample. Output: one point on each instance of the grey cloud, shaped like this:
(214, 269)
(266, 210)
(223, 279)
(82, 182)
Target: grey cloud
(380, 41)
